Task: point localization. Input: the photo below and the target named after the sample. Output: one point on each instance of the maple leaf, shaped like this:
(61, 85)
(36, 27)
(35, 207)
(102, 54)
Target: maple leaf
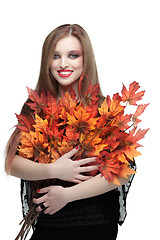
(116, 108)
(41, 125)
(67, 105)
(91, 96)
(80, 82)
(131, 152)
(65, 147)
(38, 102)
(104, 109)
(71, 136)
(91, 144)
(110, 108)
(55, 133)
(111, 144)
(32, 144)
(109, 167)
(140, 109)
(81, 120)
(131, 96)
(92, 110)
(25, 123)
(126, 171)
(117, 97)
(126, 154)
(54, 154)
(52, 107)
(122, 121)
(133, 137)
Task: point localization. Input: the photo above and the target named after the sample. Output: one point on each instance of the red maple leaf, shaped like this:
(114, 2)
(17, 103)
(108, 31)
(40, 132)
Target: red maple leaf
(25, 123)
(140, 109)
(38, 102)
(133, 137)
(92, 94)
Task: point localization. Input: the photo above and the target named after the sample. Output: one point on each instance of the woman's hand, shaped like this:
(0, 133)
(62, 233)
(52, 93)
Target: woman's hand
(66, 169)
(54, 199)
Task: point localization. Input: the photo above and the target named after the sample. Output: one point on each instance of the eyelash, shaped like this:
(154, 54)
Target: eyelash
(72, 56)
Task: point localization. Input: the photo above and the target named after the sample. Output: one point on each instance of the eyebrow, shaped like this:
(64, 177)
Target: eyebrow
(72, 51)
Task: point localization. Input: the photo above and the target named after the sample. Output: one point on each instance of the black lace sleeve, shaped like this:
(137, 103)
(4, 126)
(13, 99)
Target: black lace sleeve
(26, 197)
(123, 191)
(25, 192)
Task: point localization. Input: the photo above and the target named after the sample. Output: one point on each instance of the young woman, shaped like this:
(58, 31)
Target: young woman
(90, 204)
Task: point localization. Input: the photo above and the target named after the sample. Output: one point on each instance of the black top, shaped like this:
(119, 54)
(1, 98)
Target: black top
(96, 210)
(105, 208)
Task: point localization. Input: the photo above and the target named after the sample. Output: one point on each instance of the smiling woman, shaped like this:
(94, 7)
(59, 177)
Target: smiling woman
(75, 201)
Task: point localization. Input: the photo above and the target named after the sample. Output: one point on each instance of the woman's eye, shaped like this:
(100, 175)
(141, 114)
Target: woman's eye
(73, 55)
(56, 56)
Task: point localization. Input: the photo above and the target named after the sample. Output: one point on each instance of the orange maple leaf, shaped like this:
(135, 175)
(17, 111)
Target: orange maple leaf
(32, 144)
(41, 125)
(80, 120)
(110, 169)
(126, 171)
(64, 147)
(130, 95)
(110, 108)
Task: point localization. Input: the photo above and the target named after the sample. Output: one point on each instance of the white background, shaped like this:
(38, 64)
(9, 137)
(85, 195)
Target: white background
(126, 41)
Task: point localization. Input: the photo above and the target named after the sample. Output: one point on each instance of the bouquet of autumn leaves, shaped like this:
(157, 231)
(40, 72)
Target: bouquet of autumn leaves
(100, 129)
(103, 131)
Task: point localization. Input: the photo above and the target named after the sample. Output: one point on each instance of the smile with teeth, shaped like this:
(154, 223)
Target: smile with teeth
(64, 73)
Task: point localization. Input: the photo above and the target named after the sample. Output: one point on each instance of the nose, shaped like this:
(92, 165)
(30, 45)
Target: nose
(64, 63)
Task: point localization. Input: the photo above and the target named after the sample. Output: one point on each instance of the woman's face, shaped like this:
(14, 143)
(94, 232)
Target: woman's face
(67, 64)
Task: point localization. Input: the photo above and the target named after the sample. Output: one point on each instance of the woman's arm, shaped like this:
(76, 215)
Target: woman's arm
(63, 168)
(90, 188)
(57, 197)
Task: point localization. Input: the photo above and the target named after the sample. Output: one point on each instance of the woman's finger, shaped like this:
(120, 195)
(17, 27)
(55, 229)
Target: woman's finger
(71, 153)
(83, 178)
(76, 180)
(88, 168)
(48, 209)
(44, 190)
(39, 200)
(39, 208)
(86, 160)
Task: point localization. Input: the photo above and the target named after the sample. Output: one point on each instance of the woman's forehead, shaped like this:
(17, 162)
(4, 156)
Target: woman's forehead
(69, 43)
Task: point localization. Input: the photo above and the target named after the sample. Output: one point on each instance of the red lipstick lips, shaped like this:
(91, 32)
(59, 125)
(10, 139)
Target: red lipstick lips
(65, 73)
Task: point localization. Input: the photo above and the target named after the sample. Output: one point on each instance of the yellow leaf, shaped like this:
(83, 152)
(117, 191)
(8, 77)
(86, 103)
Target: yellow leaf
(103, 110)
(41, 125)
(132, 152)
(126, 171)
(121, 157)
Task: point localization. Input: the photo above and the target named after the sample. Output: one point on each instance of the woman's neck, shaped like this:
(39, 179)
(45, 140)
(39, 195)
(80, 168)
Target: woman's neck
(63, 89)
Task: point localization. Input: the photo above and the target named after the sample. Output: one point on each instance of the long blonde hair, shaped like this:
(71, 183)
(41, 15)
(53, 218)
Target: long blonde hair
(46, 80)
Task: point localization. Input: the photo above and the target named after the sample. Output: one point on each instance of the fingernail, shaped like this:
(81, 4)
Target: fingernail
(77, 147)
(38, 190)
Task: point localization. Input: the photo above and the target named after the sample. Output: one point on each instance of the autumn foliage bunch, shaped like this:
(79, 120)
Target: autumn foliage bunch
(102, 130)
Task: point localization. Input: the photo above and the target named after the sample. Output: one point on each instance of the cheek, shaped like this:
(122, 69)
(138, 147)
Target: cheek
(79, 63)
(53, 67)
